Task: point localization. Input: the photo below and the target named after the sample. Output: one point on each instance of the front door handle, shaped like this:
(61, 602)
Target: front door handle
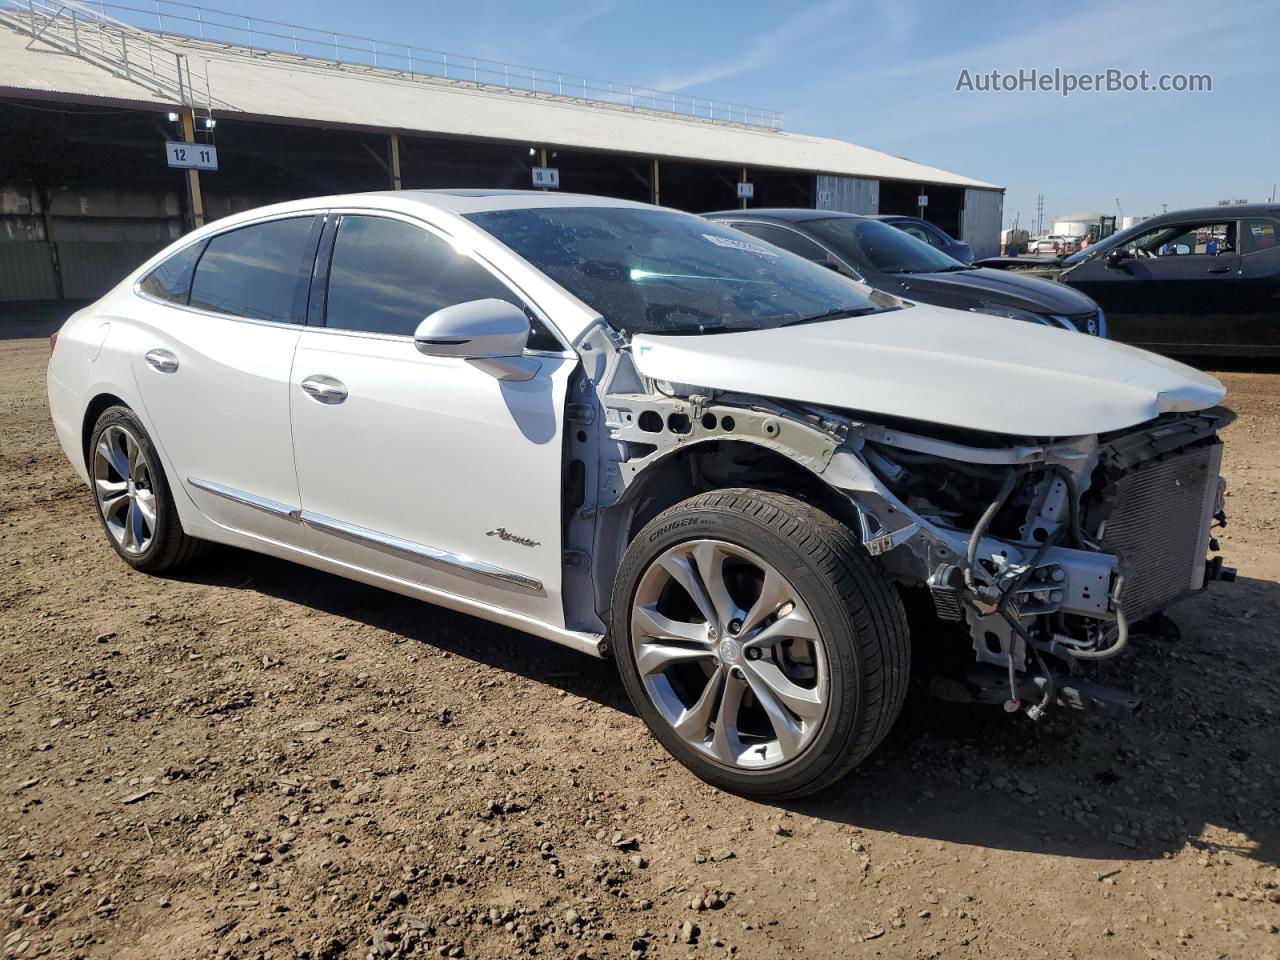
(324, 389)
(1219, 270)
(161, 361)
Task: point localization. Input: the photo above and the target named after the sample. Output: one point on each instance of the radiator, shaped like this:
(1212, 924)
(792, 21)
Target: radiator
(1159, 527)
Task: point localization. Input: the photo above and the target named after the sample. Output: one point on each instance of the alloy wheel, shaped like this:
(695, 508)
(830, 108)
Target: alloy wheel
(123, 487)
(729, 654)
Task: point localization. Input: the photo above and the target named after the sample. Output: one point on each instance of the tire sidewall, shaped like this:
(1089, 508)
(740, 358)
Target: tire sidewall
(124, 417)
(845, 695)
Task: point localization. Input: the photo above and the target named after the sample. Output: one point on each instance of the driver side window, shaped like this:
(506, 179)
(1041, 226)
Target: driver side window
(387, 275)
(1185, 240)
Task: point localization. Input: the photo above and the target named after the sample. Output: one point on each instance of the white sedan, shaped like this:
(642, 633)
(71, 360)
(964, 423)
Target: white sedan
(647, 436)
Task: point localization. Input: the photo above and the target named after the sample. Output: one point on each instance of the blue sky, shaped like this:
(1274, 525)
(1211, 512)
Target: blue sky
(883, 73)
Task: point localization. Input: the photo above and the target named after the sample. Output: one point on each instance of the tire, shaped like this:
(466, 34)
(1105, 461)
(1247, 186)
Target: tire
(132, 496)
(815, 652)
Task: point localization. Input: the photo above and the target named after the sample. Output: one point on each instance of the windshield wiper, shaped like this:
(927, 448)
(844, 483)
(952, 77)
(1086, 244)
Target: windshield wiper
(832, 315)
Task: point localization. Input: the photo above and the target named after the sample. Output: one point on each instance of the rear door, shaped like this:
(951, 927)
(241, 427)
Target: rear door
(212, 360)
(426, 469)
(1258, 326)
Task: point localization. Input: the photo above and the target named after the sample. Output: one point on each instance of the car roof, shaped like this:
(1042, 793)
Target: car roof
(793, 214)
(457, 202)
(1220, 211)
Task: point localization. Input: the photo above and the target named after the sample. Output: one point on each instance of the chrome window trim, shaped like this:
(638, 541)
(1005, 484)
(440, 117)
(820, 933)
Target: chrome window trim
(205, 238)
(567, 352)
(273, 507)
(417, 551)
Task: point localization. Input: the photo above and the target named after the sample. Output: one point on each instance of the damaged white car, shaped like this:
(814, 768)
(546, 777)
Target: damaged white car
(647, 436)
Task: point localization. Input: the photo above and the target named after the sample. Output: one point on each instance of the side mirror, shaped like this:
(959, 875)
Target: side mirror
(489, 334)
(1116, 258)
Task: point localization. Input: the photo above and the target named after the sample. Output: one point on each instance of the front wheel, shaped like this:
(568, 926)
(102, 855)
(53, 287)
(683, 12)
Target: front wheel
(758, 641)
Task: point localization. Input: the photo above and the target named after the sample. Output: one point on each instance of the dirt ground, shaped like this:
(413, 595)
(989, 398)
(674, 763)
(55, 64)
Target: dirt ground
(256, 760)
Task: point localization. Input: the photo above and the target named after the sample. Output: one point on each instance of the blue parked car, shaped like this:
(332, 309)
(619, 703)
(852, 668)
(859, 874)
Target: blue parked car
(933, 235)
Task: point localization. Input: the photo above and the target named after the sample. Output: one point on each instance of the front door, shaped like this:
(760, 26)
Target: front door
(212, 367)
(1173, 289)
(426, 469)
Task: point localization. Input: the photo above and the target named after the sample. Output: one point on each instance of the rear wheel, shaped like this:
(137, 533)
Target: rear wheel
(133, 497)
(759, 642)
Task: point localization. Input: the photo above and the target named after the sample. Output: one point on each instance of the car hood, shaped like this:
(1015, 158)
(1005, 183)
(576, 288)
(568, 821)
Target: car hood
(1002, 288)
(940, 366)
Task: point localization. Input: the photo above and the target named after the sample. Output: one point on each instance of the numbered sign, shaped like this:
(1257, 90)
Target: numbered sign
(922, 201)
(188, 156)
(746, 191)
(546, 177)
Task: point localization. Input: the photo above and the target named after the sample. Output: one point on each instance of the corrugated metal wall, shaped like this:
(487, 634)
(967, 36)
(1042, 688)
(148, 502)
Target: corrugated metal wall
(980, 224)
(848, 194)
(27, 272)
(91, 268)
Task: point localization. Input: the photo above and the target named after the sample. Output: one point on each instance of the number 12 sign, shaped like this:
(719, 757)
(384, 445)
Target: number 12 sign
(188, 156)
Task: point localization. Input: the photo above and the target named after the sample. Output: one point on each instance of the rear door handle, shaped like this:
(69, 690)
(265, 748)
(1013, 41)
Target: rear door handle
(1219, 270)
(324, 389)
(162, 361)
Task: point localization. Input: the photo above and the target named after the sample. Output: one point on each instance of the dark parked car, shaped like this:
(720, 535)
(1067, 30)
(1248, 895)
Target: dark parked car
(871, 250)
(930, 233)
(1203, 281)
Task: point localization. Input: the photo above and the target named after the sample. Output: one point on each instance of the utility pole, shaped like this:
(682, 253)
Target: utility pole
(195, 200)
(1039, 213)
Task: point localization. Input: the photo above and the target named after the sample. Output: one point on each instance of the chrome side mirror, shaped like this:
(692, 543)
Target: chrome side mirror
(488, 334)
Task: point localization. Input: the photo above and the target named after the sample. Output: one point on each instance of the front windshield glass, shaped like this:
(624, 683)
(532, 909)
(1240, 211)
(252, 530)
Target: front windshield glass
(658, 271)
(1102, 246)
(886, 248)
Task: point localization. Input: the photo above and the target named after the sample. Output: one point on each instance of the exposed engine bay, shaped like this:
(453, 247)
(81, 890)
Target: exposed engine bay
(1046, 553)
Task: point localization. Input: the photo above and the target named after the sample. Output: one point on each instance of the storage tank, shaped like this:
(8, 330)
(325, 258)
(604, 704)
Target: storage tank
(1076, 224)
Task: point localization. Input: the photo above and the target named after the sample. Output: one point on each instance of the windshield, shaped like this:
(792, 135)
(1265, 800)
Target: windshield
(658, 271)
(875, 244)
(1102, 246)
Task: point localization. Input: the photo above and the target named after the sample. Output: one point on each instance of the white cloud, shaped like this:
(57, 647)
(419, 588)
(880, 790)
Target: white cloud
(768, 48)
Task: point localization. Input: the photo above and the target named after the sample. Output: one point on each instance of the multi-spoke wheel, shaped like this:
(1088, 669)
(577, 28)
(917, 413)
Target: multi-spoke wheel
(759, 642)
(122, 483)
(729, 654)
(132, 495)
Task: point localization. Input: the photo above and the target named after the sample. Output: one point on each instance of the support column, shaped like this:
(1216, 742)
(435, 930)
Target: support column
(395, 162)
(742, 201)
(655, 183)
(195, 201)
(542, 161)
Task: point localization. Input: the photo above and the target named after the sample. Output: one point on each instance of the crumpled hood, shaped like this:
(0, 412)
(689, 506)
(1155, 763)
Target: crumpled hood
(940, 366)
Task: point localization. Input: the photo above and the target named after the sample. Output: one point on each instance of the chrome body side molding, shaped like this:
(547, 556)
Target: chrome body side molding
(246, 499)
(367, 537)
(417, 551)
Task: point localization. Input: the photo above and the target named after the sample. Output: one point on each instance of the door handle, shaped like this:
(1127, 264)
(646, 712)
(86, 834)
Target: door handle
(324, 389)
(161, 361)
(1219, 270)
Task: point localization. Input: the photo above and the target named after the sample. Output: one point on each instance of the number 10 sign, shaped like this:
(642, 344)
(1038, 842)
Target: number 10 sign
(198, 156)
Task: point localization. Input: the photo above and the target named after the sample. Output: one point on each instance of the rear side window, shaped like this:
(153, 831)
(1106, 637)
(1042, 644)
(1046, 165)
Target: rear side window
(259, 272)
(786, 239)
(171, 281)
(911, 230)
(386, 276)
(1260, 235)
